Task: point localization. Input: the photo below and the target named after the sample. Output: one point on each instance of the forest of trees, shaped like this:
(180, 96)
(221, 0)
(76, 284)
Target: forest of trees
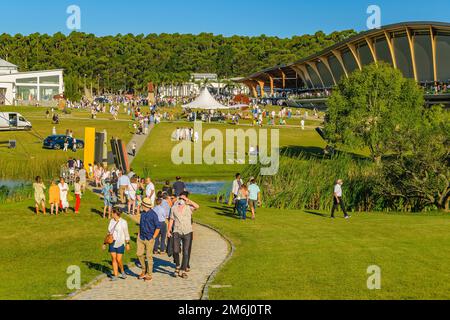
(129, 62)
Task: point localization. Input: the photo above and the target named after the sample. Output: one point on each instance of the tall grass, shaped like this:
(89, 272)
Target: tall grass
(306, 182)
(17, 194)
(28, 170)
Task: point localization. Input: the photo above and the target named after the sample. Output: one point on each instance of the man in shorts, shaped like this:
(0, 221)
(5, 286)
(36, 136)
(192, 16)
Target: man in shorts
(254, 196)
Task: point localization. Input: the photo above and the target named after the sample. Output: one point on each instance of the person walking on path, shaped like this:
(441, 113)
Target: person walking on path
(83, 179)
(133, 148)
(54, 200)
(181, 216)
(132, 189)
(123, 184)
(237, 183)
(150, 191)
(149, 228)
(254, 197)
(179, 187)
(77, 191)
(118, 228)
(163, 217)
(107, 192)
(337, 199)
(242, 201)
(39, 195)
(167, 188)
(63, 193)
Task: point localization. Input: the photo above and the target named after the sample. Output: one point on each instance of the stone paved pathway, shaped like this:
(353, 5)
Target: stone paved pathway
(140, 141)
(208, 252)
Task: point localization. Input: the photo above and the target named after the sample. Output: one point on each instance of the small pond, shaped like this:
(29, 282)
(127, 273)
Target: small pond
(12, 184)
(206, 187)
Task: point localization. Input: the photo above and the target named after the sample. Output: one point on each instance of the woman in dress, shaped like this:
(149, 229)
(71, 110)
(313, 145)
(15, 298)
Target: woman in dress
(39, 194)
(97, 175)
(54, 197)
(107, 192)
(63, 193)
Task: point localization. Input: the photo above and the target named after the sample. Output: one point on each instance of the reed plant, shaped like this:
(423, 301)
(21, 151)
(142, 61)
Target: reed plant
(29, 169)
(306, 182)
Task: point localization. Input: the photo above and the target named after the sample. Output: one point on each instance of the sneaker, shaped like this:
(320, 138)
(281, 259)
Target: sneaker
(113, 278)
(123, 276)
(332, 218)
(348, 217)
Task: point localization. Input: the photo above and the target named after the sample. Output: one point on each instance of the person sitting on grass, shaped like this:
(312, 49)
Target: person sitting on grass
(54, 197)
(39, 194)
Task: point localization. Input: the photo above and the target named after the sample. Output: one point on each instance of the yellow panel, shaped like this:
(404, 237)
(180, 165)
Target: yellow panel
(89, 147)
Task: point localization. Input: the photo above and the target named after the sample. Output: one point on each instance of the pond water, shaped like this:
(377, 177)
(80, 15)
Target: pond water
(206, 187)
(11, 184)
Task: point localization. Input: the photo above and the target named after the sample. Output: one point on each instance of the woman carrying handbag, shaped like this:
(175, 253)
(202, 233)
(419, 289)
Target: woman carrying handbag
(118, 240)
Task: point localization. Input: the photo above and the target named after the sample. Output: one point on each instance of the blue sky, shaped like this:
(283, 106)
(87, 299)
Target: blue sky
(283, 18)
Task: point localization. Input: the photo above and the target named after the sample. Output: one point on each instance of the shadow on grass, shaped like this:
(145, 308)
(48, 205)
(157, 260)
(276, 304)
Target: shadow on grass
(323, 215)
(225, 211)
(97, 212)
(311, 153)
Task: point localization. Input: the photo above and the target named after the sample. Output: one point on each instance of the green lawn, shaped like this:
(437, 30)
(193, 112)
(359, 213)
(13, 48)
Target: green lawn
(282, 255)
(155, 157)
(37, 250)
(298, 255)
(29, 154)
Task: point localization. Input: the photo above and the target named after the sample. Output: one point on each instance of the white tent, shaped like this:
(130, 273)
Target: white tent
(205, 101)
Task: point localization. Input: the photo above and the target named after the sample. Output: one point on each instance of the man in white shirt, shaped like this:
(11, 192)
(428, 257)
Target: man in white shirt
(337, 199)
(150, 191)
(237, 184)
(123, 184)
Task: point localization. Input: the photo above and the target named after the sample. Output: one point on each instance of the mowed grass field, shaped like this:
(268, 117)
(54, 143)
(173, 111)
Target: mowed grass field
(155, 158)
(37, 250)
(29, 154)
(284, 254)
(305, 255)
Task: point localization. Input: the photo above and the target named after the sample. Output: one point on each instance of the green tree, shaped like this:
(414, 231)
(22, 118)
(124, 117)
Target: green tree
(421, 176)
(369, 107)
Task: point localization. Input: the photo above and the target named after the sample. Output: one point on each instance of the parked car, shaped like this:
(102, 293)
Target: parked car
(57, 142)
(12, 121)
(102, 100)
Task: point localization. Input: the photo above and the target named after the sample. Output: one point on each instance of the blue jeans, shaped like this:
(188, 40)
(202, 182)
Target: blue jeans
(160, 242)
(242, 208)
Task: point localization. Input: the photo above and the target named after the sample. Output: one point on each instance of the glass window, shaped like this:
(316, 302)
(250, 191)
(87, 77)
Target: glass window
(47, 93)
(26, 93)
(27, 80)
(49, 80)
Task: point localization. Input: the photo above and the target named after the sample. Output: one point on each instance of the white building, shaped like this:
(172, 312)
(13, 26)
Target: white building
(193, 87)
(28, 88)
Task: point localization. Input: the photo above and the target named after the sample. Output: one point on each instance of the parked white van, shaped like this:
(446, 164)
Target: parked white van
(12, 121)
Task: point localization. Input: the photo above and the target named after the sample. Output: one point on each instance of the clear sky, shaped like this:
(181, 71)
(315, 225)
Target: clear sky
(283, 18)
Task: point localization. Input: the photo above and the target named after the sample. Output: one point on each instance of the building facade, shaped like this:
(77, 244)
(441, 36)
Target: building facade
(420, 50)
(29, 88)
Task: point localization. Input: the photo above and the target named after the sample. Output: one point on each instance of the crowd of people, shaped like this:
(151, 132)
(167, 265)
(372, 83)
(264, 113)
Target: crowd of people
(165, 216)
(185, 134)
(165, 224)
